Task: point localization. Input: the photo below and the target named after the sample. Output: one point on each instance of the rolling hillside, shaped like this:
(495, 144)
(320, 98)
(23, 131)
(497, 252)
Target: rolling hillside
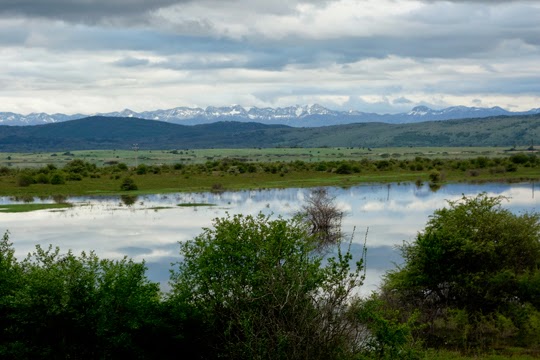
(121, 133)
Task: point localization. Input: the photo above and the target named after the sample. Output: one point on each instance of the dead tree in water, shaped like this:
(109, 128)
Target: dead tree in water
(323, 217)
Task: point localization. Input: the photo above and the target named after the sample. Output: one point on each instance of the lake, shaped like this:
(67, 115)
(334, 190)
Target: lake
(149, 227)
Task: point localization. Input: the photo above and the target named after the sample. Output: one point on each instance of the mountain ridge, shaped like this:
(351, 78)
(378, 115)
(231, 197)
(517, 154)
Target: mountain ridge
(101, 132)
(297, 116)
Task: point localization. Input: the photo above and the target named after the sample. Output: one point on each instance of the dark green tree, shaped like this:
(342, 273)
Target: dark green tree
(128, 184)
(471, 262)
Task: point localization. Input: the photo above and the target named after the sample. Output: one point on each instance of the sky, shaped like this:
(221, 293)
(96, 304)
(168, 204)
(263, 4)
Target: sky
(384, 56)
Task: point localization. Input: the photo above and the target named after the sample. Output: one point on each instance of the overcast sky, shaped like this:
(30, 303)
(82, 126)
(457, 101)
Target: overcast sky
(386, 56)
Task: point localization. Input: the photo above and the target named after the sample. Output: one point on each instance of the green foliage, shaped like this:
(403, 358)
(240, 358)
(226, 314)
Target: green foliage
(42, 179)
(519, 158)
(142, 169)
(128, 184)
(25, 180)
(473, 263)
(344, 168)
(80, 167)
(390, 338)
(57, 179)
(264, 293)
(435, 177)
(57, 306)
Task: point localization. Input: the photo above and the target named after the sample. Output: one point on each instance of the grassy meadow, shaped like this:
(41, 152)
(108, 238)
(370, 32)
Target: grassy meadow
(157, 171)
(198, 156)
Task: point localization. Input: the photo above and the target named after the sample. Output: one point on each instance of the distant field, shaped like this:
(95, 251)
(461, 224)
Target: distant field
(155, 157)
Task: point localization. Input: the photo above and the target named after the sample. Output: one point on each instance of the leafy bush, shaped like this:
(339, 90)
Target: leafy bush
(519, 158)
(42, 179)
(25, 180)
(74, 177)
(344, 169)
(263, 292)
(435, 177)
(4, 170)
(476, 259)
(142, 169)
(389, 337)
(57, 179)
(128, 184)
(80, 307)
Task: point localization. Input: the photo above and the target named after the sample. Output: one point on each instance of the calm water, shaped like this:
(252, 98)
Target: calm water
(115, 227)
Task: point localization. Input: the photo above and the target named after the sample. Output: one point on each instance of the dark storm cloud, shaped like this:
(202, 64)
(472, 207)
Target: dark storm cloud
(86, 11)
(94, 11)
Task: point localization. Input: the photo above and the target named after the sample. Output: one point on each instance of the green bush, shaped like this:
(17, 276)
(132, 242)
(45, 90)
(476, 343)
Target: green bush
(265, 294)
(57, 179)
(121, 167)
(473, 263)
(74, 177)
(25, 180)
(390, 338)
(519, 158)
(142, 169)
(435, 177)
(42, 179)
(128, 184)
(344, 169)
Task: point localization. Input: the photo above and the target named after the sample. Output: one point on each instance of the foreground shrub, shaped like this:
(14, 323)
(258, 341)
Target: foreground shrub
(468, 271)
(55, 306)
(388, 337)
(265, 294)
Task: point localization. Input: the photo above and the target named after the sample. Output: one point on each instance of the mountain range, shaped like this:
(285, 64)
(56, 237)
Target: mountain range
(295, 116)
(101, 132)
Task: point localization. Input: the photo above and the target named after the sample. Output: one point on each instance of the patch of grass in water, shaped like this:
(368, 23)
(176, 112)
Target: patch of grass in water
(195, 204)
(17, 208)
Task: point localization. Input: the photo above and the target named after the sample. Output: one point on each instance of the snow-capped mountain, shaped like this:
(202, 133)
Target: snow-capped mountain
(460, 112)
(300, 116)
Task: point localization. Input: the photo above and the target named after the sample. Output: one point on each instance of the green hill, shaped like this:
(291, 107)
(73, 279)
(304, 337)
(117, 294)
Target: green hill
(121, 133)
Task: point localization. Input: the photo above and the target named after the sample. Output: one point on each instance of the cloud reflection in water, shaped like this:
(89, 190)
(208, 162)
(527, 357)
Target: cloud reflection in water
(151, 226)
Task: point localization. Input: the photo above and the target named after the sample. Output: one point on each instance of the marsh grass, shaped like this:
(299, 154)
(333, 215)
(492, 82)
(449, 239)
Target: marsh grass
(198, 156)
(18, 208)
(195, 204)
(233, 170)
(202, 182)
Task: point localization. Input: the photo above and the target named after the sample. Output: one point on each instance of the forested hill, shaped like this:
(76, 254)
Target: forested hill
(122, 133)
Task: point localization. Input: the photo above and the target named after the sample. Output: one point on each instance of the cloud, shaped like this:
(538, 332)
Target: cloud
(96, 11)
(370, 55)
(84, 11)
(131, 62)
(402, 100)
